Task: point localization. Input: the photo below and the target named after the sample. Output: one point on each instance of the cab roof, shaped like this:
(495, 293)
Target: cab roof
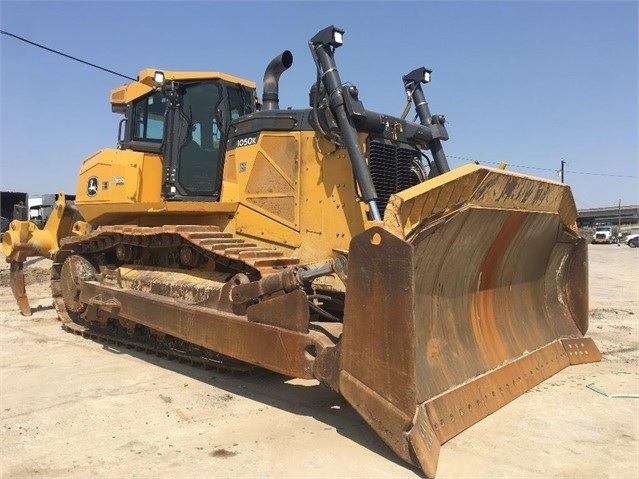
(145, 83)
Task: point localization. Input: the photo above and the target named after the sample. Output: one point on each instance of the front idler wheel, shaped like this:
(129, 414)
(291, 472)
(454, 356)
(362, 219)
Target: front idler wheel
(75, 271)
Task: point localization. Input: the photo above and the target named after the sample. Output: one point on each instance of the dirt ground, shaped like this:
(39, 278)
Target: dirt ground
(74, 408)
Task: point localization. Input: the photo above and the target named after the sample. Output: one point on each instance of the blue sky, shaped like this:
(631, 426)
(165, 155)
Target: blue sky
(529, 83)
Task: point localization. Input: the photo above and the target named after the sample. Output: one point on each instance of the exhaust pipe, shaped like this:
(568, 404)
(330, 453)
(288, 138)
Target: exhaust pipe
(270, 97)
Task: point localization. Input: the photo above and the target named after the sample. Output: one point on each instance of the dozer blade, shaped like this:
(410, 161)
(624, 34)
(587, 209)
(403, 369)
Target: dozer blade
(18, 287)
(473, 292)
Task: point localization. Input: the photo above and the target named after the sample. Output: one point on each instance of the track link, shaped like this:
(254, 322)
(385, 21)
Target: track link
(103, 336)
(224, 248)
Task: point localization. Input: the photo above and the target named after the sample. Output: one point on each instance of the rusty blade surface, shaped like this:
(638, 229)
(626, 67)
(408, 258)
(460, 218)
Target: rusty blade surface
(499, 293)
(18, 287)
(464, 312)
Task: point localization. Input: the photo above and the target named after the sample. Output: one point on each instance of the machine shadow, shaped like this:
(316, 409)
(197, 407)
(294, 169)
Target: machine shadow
(39, 308)
(33, 261)
(300, 397)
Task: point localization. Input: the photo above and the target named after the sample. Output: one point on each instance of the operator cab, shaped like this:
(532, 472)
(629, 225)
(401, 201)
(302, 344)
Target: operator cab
(185, 118)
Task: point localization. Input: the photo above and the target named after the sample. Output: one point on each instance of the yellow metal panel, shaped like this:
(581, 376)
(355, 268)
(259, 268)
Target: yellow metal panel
(510, 190)
(270, 190)
(477, 186)
(269, 177)
(159, 213)
(254, 224)
(409, 209)
(290, 183)
(129, 92)
(568, 210)
(121, 176)
(230, 191)
(330, 214)
(150, 171)
(128, 190)
(104, 176)
(283, 152)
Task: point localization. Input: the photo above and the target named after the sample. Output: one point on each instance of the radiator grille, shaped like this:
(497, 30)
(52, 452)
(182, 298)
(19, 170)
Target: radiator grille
(391, 168)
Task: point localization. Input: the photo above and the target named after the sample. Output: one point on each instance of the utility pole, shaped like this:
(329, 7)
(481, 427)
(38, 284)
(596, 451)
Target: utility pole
(619, 222)
(562, 170)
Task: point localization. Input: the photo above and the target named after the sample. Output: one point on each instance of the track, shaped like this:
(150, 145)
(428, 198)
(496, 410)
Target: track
(180, 246)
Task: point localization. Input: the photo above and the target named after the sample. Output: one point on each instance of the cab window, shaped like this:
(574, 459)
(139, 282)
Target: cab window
(241, 101)
(148, 117)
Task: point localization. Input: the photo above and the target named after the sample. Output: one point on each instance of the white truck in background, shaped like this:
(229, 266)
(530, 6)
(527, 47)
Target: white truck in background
(603, 235)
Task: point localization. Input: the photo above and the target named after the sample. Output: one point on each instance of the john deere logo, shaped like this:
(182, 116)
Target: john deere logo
(92, 186)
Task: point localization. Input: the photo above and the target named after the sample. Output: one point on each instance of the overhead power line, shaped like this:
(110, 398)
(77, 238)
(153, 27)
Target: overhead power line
(542, 169)
(65, 55)
(599, 174)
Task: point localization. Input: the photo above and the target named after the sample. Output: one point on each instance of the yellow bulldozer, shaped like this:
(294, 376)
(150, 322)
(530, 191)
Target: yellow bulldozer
(330, 243)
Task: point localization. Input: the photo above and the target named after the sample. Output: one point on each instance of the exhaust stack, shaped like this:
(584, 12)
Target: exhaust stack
(270, 93)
